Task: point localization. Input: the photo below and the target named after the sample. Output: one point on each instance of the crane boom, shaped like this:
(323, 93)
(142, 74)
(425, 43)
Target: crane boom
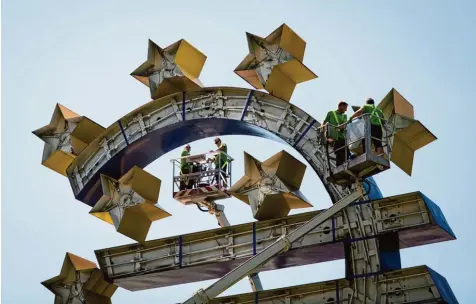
(280, 246)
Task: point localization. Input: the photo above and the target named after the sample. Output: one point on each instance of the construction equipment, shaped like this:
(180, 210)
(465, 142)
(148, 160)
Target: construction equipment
(402, 136)
(208, 184)
(358, 165)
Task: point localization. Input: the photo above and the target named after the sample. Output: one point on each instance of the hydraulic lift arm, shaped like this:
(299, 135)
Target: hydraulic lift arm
(219, 212)
(281, 245)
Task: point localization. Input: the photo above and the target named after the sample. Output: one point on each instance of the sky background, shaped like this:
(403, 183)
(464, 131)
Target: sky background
(80, 54)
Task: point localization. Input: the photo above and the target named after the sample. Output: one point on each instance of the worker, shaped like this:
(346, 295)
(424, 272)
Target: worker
(221, 159)
(336, 131)
(185, 167)
(376, 118)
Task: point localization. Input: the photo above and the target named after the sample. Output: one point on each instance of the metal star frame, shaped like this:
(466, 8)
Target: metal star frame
(130, 203)
(271, 187)
(66, 136)
(275, 62)
(80, 281)
(410, 134)
(170, 70)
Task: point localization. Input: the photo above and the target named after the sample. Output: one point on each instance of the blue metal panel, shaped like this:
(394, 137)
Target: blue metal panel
(254, 238)
(389, 251)
(245, 108)
(374, 193)
(390, 260)
(304, 133)
(122, 131)
(443, 287)
(180, 241)
(183, 105)
(437, 215)
(333, 220)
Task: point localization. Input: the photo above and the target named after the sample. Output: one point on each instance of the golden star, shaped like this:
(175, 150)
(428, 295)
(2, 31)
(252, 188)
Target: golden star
(408, 134)
(275, 62)
(80, 281)
(66, 136)
(271, 187)
(173, 69)
(130, 203)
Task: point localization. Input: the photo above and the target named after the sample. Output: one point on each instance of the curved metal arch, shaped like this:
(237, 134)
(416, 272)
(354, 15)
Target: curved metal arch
(164, 124)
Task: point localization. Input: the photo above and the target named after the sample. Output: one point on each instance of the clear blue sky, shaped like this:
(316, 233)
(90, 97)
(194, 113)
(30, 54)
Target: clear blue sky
(80, 54)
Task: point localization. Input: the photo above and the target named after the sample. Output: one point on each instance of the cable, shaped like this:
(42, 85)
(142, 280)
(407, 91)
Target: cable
(200, 208)
(369, 184)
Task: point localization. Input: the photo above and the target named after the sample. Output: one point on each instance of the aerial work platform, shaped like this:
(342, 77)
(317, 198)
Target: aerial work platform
(360, 159)
(211, 254)
(419, 284)
(204, 181)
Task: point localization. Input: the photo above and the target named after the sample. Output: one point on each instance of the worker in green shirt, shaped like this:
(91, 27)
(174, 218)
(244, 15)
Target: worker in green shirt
(185, 167)
(376, 119)
(221, 160)
(335, 122)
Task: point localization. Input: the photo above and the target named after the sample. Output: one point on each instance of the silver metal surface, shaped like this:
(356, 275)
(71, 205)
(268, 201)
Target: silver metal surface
(275, 117)
(282, 244)
(159, 265)
(410, 285)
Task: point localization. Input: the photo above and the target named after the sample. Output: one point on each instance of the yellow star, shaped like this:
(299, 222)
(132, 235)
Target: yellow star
(275, 62)
(173, 69)
(130, 203)
(66, 136)
(271, 187)
(408, 134)
(80, 281)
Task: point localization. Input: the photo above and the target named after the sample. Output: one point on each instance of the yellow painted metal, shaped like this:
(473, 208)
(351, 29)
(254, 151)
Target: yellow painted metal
(84, 133)
(275, 204)
(279, 84)
(80, 278)
(59, 161)
(406, 142)
(130, 203)
(290, 41)
(65, 136)
(275, 62)
(287, 168)
(181, 55)
(395, 103)
(189, 59)
(410, 134)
